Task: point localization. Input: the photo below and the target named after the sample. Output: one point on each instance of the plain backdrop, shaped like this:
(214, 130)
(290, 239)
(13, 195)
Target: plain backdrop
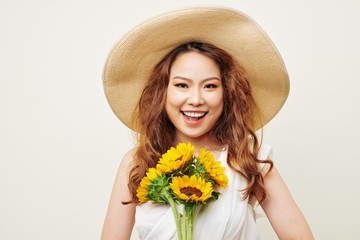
(60, 143)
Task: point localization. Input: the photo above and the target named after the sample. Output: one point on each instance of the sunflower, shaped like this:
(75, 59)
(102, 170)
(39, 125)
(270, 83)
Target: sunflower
(193, 188)
(175, 158)
(151, 186)
(153, 173)
(142, 191)
(213, 168)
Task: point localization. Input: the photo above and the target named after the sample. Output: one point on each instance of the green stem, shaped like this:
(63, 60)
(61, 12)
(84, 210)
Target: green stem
(189, 212)
(186, 220)
(176, 215)
(183, 228)
(192, 220)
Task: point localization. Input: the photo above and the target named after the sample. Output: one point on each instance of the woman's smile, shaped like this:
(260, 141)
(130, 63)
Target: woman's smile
(194, 99)
(193, 117)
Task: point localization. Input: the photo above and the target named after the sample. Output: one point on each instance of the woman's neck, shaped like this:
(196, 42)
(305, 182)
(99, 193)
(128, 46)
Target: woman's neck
(203, 141)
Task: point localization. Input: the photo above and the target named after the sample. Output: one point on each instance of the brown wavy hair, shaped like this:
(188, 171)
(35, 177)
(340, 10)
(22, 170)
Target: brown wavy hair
(234, 129)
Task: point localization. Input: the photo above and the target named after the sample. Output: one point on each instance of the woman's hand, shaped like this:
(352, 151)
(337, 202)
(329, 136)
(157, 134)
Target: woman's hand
(120, 218)
(281, 209)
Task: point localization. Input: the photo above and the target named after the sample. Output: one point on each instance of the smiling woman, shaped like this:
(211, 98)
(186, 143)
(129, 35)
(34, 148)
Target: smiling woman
(194, 100)
(213, 97)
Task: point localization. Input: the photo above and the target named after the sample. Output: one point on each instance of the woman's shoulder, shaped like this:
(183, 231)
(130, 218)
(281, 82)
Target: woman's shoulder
(128, 159)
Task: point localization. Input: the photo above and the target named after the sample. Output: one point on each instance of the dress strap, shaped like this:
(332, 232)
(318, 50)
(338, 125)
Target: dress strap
(265, 152)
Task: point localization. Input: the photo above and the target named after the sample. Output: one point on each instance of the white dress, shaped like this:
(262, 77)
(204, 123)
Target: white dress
(227, 218)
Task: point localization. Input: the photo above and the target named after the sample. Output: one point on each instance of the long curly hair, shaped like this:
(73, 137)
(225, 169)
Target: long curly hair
(234, 128)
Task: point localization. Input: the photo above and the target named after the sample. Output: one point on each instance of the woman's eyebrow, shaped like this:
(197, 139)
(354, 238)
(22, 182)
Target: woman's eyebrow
(182, 78)
(190, 80)
(210, 78)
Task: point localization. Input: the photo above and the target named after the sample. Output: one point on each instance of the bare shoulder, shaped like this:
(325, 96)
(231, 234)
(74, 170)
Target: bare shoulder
(127, 162)
(130, 154)
(122, 176)
(120, 188)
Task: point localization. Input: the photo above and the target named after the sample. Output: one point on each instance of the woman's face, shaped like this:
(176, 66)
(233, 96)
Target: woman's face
(194, 100)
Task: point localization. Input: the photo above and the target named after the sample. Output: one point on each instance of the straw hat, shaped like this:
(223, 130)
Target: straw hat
(134, 56)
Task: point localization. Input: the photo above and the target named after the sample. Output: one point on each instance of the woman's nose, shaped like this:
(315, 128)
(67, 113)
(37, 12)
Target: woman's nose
(196, 97)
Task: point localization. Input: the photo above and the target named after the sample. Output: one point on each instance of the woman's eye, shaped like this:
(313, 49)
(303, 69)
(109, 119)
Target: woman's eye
(210, 86)
(181, 85)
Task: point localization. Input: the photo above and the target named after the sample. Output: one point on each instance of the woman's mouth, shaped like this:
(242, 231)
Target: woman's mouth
(193, 117)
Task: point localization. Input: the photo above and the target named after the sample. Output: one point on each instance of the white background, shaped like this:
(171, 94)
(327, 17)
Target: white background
(60, 144)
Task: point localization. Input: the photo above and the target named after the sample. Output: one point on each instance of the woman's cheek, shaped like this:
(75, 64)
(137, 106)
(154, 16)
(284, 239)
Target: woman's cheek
(176, 98)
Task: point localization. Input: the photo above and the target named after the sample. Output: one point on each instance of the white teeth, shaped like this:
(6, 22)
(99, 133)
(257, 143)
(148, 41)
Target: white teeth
(193, 114)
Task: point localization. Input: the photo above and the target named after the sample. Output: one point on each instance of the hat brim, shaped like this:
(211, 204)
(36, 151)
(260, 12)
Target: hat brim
(135, 55)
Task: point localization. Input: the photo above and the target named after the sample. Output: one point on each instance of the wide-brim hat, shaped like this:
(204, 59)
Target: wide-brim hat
(135, 55)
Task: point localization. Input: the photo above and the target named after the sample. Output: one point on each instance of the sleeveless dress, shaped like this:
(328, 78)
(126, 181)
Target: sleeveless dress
(227, 218)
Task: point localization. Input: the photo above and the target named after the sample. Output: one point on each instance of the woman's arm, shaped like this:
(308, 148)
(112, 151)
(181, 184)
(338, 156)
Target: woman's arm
(281, 209)
(120, 218)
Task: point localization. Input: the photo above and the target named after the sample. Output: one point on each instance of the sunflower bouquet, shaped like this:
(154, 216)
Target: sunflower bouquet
(182, 178)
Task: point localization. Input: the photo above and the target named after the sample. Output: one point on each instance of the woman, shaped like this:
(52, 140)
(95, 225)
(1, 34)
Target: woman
(199, 93)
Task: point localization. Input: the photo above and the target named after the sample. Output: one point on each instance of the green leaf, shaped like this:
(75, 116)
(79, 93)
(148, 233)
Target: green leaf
(215, 195)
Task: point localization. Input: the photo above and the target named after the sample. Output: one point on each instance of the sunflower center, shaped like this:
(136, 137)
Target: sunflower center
(189, 191)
